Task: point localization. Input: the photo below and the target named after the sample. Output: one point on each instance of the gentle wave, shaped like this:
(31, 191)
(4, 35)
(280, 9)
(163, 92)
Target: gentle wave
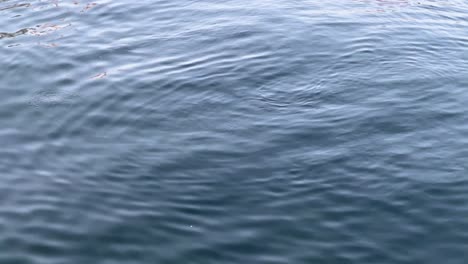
(233, 131)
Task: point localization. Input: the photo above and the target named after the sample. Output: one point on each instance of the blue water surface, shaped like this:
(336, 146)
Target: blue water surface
(221, 131)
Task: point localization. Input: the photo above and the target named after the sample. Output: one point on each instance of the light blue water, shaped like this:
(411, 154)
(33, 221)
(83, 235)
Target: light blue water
(234, 131)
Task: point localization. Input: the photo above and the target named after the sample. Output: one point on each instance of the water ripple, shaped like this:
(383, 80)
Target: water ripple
(233, 131)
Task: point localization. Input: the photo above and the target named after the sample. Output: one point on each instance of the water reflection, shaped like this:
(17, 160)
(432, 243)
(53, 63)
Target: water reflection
(14, 6)
(40, 10)
(15, 34)
(380, 6)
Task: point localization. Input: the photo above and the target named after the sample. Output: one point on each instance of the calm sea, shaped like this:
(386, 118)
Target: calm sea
(228, 132)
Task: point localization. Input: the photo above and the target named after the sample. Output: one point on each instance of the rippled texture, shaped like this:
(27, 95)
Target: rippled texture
(234, 131)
